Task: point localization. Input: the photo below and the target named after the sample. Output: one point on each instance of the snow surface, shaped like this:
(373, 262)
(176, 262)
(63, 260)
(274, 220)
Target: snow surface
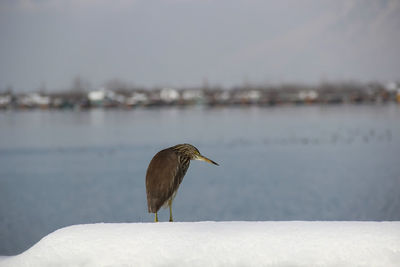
(294, 243)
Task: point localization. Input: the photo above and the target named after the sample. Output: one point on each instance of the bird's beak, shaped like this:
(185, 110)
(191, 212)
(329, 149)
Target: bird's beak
(200, 157)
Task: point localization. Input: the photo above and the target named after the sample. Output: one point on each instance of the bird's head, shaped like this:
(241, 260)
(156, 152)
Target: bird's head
(192, 153)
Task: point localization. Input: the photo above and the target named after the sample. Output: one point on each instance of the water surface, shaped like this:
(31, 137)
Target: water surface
(286, 163)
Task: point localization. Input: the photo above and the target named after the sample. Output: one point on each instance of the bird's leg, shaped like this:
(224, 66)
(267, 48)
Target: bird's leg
(155, 217)
(170, 210)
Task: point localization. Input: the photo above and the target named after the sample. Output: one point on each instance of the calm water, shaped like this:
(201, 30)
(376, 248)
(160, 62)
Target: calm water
(287, 163)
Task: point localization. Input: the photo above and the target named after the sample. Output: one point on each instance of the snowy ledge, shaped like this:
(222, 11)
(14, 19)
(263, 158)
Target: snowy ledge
(294, 243)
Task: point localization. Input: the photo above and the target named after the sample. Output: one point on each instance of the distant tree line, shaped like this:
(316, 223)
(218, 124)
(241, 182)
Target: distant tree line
(116, 94)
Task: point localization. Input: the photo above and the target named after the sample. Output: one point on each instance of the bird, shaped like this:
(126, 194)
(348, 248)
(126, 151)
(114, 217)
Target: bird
(165, 173)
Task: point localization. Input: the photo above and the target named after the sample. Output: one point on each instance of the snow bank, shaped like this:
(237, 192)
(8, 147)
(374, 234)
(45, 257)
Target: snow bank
(217, 244)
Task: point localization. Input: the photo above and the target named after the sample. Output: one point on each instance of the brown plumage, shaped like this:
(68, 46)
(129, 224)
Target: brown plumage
(165, 173)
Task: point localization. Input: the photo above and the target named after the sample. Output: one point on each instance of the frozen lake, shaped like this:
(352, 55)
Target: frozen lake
(284, 163)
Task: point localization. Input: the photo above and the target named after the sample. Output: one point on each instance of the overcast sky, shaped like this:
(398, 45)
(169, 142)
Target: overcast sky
(187, 42)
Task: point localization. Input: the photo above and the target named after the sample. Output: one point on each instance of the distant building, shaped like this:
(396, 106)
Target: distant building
(137, 98)
(169, 95)
(96, 97)
(107, 98)
(34, 100)
(309, 96)
(192, 95)
(5, 101)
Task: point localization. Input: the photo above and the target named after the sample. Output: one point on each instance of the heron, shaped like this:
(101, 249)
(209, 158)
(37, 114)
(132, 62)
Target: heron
(165, 173)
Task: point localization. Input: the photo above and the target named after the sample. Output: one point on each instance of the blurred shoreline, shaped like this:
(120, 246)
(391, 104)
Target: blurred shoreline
(247, 95)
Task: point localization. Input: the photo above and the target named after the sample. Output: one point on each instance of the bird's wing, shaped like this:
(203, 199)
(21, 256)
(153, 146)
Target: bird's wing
(161, 178)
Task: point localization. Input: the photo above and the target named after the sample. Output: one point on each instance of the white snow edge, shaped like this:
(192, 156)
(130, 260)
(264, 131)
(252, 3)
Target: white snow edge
(294, 243)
